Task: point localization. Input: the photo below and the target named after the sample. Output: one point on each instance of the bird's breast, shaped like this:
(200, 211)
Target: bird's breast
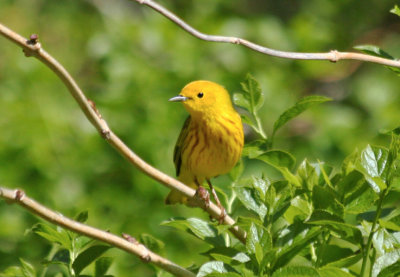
(214, 146)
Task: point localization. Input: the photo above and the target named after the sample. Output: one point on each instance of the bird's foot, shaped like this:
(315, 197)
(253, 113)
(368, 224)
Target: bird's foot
(222, 216)
(203, 196)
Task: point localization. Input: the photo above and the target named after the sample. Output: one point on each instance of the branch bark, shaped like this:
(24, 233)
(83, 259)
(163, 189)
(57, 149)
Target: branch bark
(333, 55)
(32, 47)
(139, 250)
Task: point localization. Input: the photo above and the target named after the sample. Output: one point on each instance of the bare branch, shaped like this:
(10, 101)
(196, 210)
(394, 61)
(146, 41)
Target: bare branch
(332, 56)
(128, 244)
(33, 48)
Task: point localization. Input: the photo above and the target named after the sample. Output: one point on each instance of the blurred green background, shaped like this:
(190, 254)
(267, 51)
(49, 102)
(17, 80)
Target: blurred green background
(130, 60)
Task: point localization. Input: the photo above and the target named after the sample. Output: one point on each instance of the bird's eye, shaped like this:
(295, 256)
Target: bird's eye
(200, 95)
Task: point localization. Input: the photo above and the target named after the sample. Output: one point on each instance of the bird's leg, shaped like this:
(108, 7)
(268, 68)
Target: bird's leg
(223, 211)
(202, 194)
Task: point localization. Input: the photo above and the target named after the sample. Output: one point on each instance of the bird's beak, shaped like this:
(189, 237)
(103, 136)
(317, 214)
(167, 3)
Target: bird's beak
(179, 98)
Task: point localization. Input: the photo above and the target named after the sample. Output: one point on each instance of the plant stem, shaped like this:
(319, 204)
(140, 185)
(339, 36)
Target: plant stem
(259, 129)
(372, 232)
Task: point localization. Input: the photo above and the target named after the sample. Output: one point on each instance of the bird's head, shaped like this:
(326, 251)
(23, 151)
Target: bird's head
(202, 97)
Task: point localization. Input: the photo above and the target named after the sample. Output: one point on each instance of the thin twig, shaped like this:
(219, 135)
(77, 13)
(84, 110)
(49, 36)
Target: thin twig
(332, 56)
(33, 48)
(128, 245)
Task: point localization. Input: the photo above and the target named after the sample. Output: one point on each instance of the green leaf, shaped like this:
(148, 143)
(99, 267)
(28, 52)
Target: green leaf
(374, 165)
(278, 196)
(255, 148)
(253, 98)
(58, 235)
(299, 209)
(153, 244)
(302, 105)
(258, 236)
(325, 199)
(82, 242)
(330, 271)
(228, 255)
(390, 271)
(361, 199)
(376, 51)
(296, 271)
(88, 256)
(240, 100)
(271, 199)
(278, 159)
(384, 241)
(241, 257)
(324, 171)
(297, 244)
(308, 175)
(386, 260)
(62, 256)
(349, 183)
(246, 222)
(247, 120)
(27, 269)
(373, 50)
(336, 226)
(349, 163)
(213, 267)
(330, 253)
(197, 227)
(389, 225)
(102, 265)
(346, 262)
(281, 161)
(391, 221)
(394, 159)
(251, 200)
(395, 10)
(82, 216)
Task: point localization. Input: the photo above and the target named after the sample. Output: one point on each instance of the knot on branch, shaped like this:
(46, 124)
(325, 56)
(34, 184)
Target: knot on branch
(105, 134)
(33, 45)
(335, 56)
(33, 39)
(145, 254)
(235, 40)
(19, 194)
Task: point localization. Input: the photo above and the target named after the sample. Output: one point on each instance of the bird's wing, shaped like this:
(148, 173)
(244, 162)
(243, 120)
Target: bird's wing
(179, 146)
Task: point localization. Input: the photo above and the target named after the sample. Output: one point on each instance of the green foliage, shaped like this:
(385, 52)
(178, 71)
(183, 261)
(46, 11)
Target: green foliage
(395, 10)
(71, 253)
(252, 99)
(25, 270)
(313, 221)
(129, 60)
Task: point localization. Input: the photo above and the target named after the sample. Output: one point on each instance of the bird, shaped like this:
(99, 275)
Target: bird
(210, 142)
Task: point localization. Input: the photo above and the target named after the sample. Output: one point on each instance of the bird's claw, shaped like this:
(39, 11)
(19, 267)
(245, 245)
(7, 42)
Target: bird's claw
(203, 195)
(222, 216)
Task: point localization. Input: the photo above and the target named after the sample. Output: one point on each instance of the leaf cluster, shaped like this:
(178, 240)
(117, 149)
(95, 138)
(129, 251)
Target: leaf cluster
(313, 221)
(70, 255)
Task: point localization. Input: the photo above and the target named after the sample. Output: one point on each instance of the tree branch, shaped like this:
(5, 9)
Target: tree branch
(139, 250)
(33, 48)
(332, 56)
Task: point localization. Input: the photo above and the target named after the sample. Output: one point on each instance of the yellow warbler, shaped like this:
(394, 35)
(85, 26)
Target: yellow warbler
(211, 140)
